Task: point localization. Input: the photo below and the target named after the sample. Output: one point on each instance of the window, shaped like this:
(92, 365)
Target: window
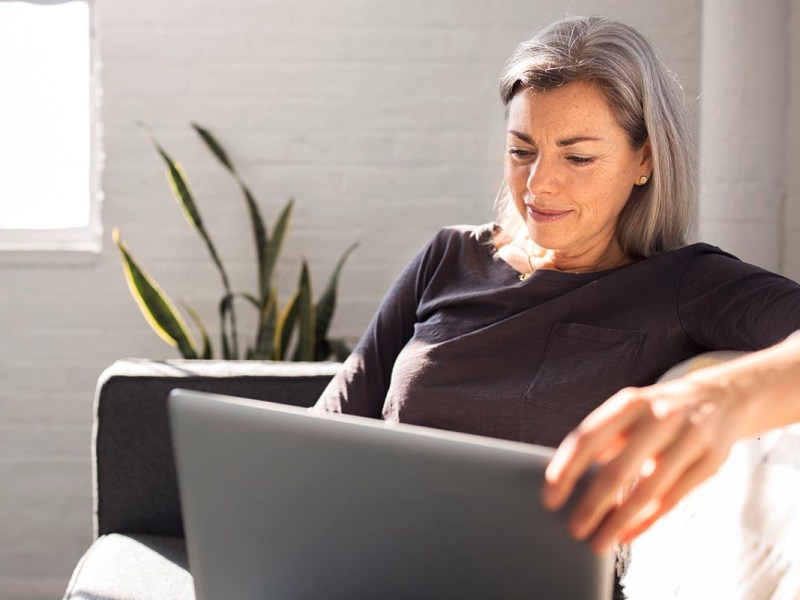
(46, 182)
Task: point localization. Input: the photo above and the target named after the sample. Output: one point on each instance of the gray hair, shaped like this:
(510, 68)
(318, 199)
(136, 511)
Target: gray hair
(648, 103)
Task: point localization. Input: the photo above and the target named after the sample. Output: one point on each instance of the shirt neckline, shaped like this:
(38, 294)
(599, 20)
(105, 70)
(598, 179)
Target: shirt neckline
(486, 233)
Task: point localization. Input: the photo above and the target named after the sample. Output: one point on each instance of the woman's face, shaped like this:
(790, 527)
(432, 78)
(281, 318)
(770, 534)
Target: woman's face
(570, 169)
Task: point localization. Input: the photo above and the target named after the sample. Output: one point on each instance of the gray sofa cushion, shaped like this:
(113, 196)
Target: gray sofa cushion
(132, 567)
(134, 473)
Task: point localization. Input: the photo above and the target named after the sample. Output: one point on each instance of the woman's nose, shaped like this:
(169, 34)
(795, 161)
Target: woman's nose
(542, 178)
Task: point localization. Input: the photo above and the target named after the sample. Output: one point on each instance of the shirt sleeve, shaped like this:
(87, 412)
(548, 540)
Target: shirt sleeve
(360, 386)
(727, 304)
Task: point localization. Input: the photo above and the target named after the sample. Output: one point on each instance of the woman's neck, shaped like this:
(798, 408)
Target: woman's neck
(588, 261)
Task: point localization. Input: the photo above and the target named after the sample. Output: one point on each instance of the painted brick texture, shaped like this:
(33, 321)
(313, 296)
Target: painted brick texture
(791, 209)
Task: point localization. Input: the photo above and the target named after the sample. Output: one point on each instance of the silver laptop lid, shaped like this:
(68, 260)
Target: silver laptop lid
(281, 503)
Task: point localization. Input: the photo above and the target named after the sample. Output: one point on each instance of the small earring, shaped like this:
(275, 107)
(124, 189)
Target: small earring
(642, 180)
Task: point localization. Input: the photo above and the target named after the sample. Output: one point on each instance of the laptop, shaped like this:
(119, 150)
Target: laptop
(282, 503)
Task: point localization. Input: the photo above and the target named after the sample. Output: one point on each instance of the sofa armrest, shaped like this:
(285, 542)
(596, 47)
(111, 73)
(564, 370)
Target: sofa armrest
(134, 482)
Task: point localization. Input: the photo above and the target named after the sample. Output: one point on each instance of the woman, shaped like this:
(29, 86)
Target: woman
(552, 325)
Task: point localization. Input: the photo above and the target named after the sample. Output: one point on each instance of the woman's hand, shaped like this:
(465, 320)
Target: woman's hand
(653, 445)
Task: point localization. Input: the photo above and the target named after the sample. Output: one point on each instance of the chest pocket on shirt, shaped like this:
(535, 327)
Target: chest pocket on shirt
(583, 366)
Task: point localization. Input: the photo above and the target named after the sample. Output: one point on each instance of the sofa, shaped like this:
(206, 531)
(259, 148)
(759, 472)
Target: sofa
(138, 551)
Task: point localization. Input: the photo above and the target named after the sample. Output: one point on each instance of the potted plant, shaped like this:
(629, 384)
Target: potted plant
(296, 331)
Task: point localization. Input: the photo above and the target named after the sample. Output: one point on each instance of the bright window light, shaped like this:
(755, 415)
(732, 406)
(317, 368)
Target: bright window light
(44, 115)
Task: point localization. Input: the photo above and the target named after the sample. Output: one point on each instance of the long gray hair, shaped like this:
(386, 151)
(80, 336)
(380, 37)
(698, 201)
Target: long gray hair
(648, 104)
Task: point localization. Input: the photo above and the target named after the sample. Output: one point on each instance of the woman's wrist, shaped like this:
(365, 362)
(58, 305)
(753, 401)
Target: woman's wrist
(728, 394)
(759, 391)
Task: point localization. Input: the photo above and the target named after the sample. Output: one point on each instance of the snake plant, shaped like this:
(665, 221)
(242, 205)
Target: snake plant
(296, 331)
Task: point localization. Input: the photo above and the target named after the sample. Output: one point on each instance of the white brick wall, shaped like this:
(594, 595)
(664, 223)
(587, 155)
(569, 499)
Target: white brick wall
(791, 221)
(379, 116)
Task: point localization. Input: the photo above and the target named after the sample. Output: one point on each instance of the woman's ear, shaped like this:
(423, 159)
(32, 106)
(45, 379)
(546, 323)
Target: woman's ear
(646, 166)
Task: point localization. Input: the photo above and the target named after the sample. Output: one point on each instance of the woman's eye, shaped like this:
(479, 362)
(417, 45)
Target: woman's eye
(580, 160)
(520, 153)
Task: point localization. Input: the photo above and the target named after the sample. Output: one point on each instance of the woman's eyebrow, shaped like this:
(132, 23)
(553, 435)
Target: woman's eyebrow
(577, 139)
(565, 142)
(522, 136)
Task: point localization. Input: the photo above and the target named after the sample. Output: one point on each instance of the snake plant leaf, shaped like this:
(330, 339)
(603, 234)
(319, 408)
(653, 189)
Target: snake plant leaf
(327, 303)
(214, 146)
(261, 237)
(276, 243)
(251, 299)
(158, 310)
(267, 325)
(283, 331)
(207, 350)
(180, 188)
(340, 350)
(178, 182)
(305, 318)
(260, 234)
(225, 306)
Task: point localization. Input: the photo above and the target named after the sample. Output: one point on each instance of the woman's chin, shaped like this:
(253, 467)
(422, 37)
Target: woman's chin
(548, 240)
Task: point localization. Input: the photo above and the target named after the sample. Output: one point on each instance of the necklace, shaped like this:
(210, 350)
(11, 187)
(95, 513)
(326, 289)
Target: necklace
(524, 276)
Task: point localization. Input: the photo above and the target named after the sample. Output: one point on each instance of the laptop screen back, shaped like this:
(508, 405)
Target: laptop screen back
(282, 503)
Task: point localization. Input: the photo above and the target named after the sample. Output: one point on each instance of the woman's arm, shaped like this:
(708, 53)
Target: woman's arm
(668, 438)
(360, 386)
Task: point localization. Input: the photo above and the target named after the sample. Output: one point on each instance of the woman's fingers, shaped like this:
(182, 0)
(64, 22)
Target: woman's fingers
(647, 495)
(582, 446)
(676, 428)
(694, 476)
(647, 438)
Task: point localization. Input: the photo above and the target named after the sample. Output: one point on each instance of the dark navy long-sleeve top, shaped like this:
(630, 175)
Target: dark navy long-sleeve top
(460, 343)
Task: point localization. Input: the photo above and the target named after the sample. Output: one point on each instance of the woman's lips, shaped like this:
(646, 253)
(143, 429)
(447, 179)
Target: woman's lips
(544, 215)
